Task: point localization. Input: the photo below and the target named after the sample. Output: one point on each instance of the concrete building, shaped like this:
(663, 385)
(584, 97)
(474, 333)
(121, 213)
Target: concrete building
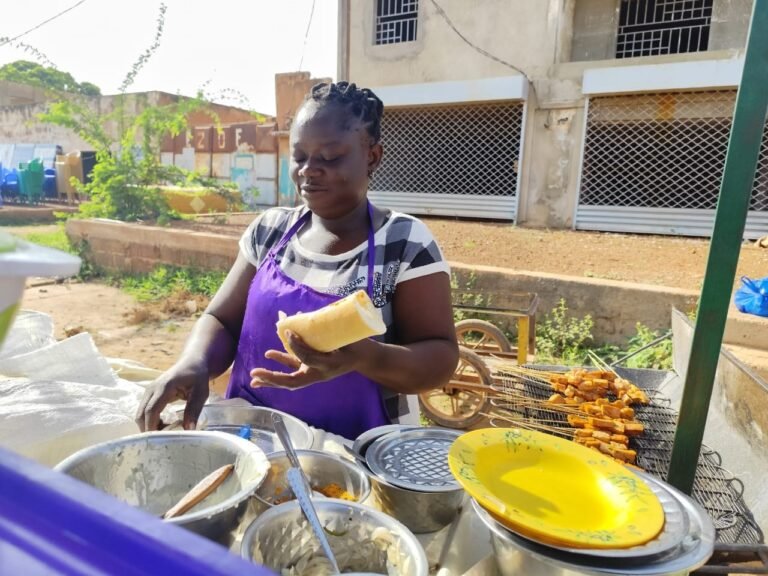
(606, 115)
(244, 151)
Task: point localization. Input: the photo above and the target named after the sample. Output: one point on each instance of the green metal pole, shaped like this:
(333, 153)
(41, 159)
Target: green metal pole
(735, 192)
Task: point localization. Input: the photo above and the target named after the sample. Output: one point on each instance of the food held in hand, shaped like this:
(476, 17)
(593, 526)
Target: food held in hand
(340, 324)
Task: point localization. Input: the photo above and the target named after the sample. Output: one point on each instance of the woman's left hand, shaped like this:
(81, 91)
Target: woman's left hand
(309, 365)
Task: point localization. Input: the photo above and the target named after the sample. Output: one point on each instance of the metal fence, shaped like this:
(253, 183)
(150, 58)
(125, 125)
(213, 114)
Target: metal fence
(652, 27)
(661, 151)
(469, 150)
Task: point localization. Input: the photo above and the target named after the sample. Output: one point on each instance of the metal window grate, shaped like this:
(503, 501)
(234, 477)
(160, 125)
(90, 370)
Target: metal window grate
(461, 150)
(662, 151)
(652, 27)
(396, 21)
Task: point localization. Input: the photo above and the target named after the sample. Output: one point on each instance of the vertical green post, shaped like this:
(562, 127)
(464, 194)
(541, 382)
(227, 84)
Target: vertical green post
(735, 192)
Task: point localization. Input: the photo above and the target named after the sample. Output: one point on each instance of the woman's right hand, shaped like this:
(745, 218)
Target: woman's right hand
(181, 382)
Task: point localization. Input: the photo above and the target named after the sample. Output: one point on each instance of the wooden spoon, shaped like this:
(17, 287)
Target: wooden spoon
(200, 491)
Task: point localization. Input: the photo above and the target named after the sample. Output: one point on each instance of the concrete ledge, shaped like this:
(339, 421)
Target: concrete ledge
(134, 248)
(616, 307)
(18, 215)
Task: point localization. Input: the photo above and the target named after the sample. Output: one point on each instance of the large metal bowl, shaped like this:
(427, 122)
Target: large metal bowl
(320, 468)
(231, 419)
(152, 471)
(280, 537)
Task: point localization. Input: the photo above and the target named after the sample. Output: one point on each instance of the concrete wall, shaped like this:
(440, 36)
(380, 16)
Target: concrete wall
(595, 24)
(616, 307)
(14, 94)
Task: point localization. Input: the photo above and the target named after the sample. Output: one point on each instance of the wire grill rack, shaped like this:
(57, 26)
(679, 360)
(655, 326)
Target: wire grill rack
(715, 488)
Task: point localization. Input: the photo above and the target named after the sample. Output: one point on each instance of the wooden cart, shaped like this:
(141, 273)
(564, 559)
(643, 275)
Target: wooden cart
(461, 402)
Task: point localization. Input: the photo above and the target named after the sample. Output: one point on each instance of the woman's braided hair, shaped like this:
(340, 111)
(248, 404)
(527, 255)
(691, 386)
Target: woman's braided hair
(362, 103)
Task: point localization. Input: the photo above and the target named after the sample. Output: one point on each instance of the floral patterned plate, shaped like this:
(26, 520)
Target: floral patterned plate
(555, 491)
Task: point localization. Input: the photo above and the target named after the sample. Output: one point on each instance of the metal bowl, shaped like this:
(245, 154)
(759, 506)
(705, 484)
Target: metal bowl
(231, 418)
(152, 471)
(515, 555)
(280, 537)
(368, 437)
(320, 469)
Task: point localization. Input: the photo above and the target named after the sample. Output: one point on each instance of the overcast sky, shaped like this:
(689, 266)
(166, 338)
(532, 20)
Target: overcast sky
(232, 44)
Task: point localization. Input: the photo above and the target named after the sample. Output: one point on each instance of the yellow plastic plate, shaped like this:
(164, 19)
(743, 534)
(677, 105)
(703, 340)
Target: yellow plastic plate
(555, 491)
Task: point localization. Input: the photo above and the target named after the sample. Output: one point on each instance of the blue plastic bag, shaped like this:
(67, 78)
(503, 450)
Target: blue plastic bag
(752, 297)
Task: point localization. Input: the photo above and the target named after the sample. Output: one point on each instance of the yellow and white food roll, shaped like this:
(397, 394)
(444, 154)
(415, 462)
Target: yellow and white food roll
(340, 324)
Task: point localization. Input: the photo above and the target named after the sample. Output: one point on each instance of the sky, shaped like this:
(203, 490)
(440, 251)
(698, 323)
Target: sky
(217, 44)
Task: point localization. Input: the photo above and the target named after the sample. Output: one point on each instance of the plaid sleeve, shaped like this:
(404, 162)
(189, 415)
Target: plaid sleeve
(264, 232)
(421, 254)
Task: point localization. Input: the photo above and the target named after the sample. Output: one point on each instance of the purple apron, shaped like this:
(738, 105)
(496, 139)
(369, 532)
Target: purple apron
(347, 405)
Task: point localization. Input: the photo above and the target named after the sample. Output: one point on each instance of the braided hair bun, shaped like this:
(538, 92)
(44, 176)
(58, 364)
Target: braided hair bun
(360, 103)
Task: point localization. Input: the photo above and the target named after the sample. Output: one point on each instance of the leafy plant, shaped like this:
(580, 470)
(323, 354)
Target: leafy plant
(125, 183)
(561, 338)
(164, 281)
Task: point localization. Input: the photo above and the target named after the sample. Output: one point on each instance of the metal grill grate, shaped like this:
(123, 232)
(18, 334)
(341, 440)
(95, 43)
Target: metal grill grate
(652, 27)
(461, 150)
(715, 488)
(396, 21)
(661, 151)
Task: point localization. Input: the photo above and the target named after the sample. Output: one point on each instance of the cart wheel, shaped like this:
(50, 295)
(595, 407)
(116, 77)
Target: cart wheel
(453, 406)
(481, 336)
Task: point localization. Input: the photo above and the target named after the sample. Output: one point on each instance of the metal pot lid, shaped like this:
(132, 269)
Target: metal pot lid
(367, 438)
(676, 527)
(415, 459)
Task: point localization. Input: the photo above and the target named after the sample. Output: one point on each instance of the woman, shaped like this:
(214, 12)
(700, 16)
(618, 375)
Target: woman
(301, 259)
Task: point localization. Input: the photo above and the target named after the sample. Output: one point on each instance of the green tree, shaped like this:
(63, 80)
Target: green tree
(48, 77)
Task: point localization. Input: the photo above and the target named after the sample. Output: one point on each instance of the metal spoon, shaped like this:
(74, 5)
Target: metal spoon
(285, 439)
(356, 455)
(308, 509)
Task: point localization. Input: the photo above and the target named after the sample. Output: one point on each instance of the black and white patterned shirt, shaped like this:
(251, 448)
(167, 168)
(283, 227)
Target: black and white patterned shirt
(405, 249)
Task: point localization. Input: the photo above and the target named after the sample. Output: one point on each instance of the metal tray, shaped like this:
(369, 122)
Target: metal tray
(415, 459)
(231, 419)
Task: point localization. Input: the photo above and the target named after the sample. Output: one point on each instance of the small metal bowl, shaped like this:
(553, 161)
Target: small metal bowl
(231, 419)
(280, 537)
(320, 469)
(152, 471)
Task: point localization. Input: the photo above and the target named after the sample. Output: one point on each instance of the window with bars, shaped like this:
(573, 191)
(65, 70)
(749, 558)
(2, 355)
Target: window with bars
(462, 150)
(396, 21)
(653, 27)
(662, 151)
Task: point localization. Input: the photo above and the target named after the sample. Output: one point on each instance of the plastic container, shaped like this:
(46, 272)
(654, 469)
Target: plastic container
(31, 178)
(19, 260)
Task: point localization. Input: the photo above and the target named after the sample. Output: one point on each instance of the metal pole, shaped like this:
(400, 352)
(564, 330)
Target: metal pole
(735, 192)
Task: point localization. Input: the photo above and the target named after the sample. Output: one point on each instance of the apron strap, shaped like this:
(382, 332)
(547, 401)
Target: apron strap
(371, 242)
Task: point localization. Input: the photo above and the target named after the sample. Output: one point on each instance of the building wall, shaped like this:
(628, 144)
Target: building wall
(13, 94)
(552, 42)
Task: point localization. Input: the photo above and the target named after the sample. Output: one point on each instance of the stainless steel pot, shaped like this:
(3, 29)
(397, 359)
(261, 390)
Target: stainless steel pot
(280, 538)
(152, 471)
(421, 512)
(516, 555)
(320, 468)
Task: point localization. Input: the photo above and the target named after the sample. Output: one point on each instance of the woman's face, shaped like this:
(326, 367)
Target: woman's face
(331, 157)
